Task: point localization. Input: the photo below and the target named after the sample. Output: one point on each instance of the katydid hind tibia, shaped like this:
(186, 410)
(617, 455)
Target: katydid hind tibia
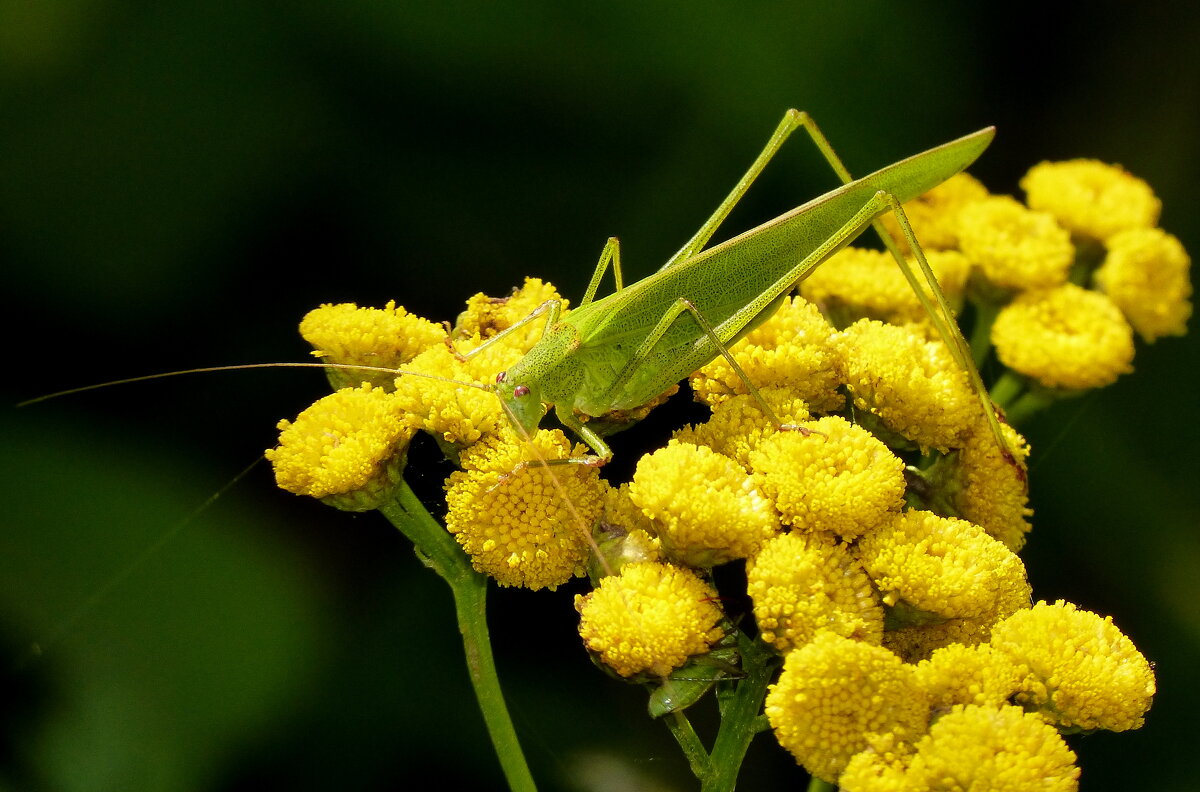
(621, 351)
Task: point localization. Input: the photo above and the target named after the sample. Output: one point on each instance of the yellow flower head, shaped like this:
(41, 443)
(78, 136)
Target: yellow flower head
(1066, 337)
(387, 337)
(837, 478)
(917, 634)
(1014, 247)
(835, 695)
(911, 384)
(979, 484)
(738, 424)
(934, 215)
(705, 508)
(649, 619)
(940, 565)
(958, 674)
(486, 316)
(1090, 198)
(1146, 274)
(1080, 671)
(1000, 749)
(804, 582)
(791, 349)
(624, 535)
(347, 449)
(451, 409)
(857, 283)
(525, 526)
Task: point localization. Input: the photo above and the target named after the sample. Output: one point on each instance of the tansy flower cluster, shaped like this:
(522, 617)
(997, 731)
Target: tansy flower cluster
(850, 469)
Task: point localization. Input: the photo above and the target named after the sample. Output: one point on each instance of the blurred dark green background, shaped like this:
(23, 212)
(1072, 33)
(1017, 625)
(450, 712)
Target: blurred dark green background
(180, 181)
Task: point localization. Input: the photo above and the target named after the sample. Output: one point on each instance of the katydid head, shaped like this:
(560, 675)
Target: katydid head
(522, 403)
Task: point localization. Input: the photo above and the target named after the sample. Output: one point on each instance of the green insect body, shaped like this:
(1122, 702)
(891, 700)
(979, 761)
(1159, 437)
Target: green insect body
(621, 351)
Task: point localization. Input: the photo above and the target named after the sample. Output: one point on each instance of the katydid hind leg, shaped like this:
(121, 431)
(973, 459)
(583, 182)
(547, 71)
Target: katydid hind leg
(938, 309)
(792, 120)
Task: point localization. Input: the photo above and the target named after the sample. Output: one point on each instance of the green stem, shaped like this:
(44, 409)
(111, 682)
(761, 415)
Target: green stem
(739, 720)
(981, 332)
(1006, 389)
(438, 550)
(689, 741)
(817, 785)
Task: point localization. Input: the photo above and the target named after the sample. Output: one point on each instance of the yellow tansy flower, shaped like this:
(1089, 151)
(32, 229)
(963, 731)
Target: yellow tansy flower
(940, 565)
(649, 618)
(738, 424)
(524, 525)
(623, 534)
(934, 215)
(915, 635)
(835, 695)
(1146, 273)
(347, 449)
(791, 349)
(387, 337)
(980, 484)
(1013, 247)
(857, 283)
(1091, 198)
(450, 408)
(958, 674)
(837, 478)
(804, 582)
(704, 507)
(1080, 671)
(999, 749)
(1066, 337)
(486, 316)
(911, 384)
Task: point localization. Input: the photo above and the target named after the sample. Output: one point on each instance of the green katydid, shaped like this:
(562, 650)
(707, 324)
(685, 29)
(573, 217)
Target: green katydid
(621, 351)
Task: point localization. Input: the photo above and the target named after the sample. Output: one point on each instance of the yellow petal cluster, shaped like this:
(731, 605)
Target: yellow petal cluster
(791, 349)
(1146, 274)
(387, 337)
(1080, 671)
(738, 424)
(347, 448)
(834, 477)
(1091, 198)
(835, 694)
(486, 316)
(934, 215)
(649, 618)
(959, 674)
(801, 583)
(999, 749)
(1066, 337)
(911, 384)
(524, 523)
(1014, 247)
(446, 403)
(857, 283)
(704, 507)
(940, 565)
(991, 490)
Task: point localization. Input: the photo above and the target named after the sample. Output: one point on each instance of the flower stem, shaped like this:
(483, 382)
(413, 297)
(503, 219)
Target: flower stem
(438, 551)
(739, 717)
(817, 785)
(981, 332)
(689, 741)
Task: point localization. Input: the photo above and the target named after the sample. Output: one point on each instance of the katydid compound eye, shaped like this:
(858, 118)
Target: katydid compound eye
(521, 390)
(501, 377)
